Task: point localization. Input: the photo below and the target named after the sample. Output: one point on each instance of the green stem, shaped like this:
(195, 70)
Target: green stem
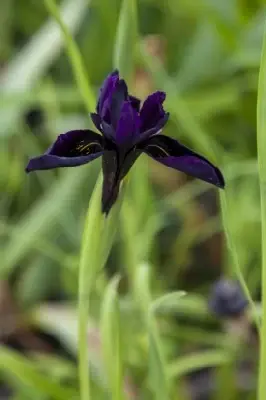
(235, 259)
(89, 265)
(261, 143)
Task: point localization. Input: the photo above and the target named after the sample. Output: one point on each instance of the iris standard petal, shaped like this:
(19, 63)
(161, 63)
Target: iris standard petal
(153, 131)
(69, 150)
(120, 95)
(152, 111)
(96, 119)
(174, 155)
(107, 89)
(128, 125)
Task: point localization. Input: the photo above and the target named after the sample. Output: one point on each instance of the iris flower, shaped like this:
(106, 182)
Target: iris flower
(127, 130)
(227, 298)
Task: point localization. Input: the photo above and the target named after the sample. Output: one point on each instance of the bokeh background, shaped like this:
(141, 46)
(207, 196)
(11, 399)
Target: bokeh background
(205, 54)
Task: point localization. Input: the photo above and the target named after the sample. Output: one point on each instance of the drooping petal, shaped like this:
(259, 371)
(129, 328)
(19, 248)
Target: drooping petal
(69, 150)
(128, 125)
(110, 180)
(174, 155)
(128, 161)
(107, 89)
(152, 111)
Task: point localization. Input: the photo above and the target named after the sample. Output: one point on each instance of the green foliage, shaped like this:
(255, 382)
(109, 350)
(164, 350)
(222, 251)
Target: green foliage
(144, 336)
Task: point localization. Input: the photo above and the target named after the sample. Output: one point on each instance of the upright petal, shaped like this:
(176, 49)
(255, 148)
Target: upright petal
(152, 111)
(128, 125)
(153, 131)
(173, 154)
(69, 150)
(107, 89)
(96, 119)
(120, 95)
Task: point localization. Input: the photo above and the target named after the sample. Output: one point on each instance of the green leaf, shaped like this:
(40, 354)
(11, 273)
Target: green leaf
(111, 339)
(167, 302)
(78, 67)
(27, 66)
(126, 37)
(26, 372)
(41, 217)
(157, 376)
(94, 252)
(157, 371)
(178, 107)
(192, 362)
(261, 143)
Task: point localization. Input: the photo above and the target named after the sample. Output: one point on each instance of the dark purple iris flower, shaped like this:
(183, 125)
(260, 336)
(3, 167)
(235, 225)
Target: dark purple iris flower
(227, 299)
(128, 130)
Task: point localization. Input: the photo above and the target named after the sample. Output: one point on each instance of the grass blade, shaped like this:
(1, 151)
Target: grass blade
(41, 218)
(78, 67)
(157, 368)
(24, 70)
(261, 129)
(126, 37)
(111, 339)
(25, 371)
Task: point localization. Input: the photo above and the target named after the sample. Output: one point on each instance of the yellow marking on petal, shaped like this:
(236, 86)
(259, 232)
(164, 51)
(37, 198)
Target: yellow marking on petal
(160, 148)
(86, 148)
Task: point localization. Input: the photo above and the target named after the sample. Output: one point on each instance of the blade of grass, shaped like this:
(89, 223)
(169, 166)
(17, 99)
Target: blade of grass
(167, 301)
(111, 339)
(94, 251)
(157, 376)
(25, 371)
(90, 256)
(157, 369)
(192, 362)
(40, 218)
(235, 259)
(178, 108)
(88, 267)
(75, 58)
(35, 58)
(261, 143)
(126, 38)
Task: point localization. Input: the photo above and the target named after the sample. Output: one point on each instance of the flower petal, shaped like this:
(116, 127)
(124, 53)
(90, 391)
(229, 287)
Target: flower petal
(135, 102)
(153, 131)
(152, 111)
(120, 95)
(96, 119)
(69, 150)
(107, 89)
(110, 180)
(128, 125)
(173, 154)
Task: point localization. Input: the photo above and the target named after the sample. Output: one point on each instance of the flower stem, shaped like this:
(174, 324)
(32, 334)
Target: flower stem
(89, 265)
(261, 143)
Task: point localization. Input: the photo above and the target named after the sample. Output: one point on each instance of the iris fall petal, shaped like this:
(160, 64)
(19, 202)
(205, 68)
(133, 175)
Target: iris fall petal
(173, 154)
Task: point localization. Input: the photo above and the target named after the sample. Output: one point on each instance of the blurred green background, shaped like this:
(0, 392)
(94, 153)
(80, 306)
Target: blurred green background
(205, 54)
